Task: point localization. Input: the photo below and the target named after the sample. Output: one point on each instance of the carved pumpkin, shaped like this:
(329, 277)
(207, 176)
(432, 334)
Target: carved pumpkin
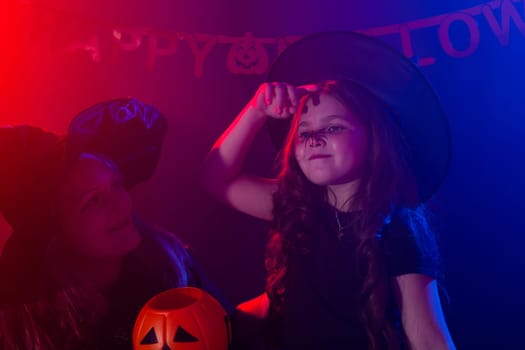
(248, 56)
(182, 319)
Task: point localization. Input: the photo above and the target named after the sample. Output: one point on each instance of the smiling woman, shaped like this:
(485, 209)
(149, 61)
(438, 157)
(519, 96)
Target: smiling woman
(96, 219)
(96, 209)
(80, 264)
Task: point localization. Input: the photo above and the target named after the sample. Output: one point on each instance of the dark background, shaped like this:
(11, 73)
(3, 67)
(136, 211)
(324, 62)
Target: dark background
(482, 86)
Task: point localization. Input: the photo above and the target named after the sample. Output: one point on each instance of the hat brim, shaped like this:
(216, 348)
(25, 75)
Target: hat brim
(388, 75)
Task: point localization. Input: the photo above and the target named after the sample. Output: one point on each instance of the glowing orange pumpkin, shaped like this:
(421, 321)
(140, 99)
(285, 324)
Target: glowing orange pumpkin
(182, 319)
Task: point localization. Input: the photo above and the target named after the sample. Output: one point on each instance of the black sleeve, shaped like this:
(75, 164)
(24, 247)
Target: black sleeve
(410, 247)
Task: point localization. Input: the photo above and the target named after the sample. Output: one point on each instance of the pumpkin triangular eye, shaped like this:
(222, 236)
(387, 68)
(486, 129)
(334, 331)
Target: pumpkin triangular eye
(183, 336)
(228, 330)
(150, 338)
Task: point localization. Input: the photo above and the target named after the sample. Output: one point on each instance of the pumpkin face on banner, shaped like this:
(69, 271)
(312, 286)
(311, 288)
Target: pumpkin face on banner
(182, 319)
(248, 56)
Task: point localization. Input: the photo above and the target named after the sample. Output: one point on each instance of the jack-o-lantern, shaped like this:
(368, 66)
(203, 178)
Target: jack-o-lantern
(182, 319)
(248, 56)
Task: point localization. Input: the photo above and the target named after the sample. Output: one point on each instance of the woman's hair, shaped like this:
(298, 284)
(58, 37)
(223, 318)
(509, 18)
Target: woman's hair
(165, 255)
(50, 313)
(60, 311)
(387, 184)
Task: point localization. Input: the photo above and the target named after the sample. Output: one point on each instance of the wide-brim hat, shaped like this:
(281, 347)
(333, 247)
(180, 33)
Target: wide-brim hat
(125, 130)
(34, 161)
(388, 75)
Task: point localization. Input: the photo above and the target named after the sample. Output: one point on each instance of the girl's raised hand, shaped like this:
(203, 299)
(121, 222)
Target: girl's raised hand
(279, 100)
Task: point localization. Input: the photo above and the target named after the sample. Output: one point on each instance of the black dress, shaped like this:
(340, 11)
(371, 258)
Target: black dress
(319, 309)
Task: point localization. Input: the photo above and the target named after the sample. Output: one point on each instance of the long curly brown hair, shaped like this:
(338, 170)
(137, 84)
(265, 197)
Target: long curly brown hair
(388, 184)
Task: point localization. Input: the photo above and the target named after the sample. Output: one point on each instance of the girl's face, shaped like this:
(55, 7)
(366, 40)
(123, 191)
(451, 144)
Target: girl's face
(331, 142)
(96, 211)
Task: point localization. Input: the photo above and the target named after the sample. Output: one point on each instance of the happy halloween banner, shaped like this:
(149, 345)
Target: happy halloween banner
(250, 54)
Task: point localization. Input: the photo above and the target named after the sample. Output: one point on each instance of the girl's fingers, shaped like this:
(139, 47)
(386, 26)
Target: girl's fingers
(293, 95)
(268, 93)
(280, 97)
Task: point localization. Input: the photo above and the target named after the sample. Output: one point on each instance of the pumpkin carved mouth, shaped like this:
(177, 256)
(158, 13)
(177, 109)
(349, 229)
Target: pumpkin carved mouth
(245, 63)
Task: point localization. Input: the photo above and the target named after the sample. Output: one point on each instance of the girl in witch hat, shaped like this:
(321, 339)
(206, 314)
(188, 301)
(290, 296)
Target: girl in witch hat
(80, 265)
(364, 142)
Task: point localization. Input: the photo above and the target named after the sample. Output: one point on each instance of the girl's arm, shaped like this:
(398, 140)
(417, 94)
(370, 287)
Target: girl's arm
(223, 168)
(421, 313)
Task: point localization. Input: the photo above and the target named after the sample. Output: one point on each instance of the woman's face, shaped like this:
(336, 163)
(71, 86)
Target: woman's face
(96, 211)
(331, 142)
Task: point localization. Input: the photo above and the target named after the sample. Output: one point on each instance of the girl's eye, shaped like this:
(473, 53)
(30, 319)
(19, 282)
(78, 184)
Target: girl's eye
(334, 129)
(305, 135)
